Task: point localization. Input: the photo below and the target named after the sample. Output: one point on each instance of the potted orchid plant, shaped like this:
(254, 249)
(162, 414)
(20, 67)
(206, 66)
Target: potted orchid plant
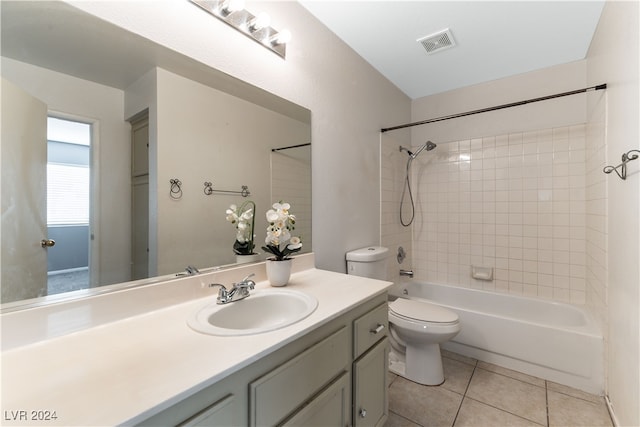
(280, 243)
(243, 219)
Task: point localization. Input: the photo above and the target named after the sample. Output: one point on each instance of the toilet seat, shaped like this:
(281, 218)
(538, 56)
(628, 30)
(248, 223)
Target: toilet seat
(422, 311)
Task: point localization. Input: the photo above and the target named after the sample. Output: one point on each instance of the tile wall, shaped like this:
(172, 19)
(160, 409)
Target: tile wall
(392, 172)
(515, 202)
(291, 182)
(596, 209)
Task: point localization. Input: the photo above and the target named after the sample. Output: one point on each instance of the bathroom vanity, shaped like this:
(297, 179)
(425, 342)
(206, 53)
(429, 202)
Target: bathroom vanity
(151, 368)
(310, 381)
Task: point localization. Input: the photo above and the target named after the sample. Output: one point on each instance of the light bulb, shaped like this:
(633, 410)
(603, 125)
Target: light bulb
(262, 20)
(283, 37)
(230, 6)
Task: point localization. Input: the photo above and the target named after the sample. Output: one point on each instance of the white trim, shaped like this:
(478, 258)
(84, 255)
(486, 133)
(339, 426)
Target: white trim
(612, 414)
(94, 193)
(67, 270)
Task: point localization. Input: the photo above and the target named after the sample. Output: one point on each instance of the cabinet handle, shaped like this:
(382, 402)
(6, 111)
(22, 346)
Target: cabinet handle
(377, 330)
(363, 413)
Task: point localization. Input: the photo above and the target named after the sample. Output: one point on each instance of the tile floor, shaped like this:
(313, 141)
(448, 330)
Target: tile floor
(476, 393)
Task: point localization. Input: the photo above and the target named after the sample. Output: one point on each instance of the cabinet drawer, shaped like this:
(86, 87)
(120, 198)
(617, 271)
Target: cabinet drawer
(368, 329)
(277, 394)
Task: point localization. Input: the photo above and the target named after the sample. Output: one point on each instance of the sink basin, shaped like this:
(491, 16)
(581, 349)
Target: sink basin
(263, 311)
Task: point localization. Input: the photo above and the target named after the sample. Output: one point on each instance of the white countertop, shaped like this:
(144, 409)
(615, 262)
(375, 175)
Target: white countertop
(124, 371)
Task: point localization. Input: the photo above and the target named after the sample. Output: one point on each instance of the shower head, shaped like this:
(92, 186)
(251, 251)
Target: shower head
(428, 145)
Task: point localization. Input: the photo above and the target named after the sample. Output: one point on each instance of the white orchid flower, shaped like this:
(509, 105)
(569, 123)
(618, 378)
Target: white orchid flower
(272, 216)
(295, 240)
(294, 243)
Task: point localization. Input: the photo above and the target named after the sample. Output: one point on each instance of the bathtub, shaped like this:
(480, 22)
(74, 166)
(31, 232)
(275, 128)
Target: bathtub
(555, 341)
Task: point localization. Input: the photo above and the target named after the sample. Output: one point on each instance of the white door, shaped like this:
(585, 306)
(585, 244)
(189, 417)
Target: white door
(24, 185)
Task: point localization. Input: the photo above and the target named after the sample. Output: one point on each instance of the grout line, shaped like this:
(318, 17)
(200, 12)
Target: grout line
(470, 378)
(580, 398)
(505, 411)
(517, 379)
(395, 377)
(405, 418)
(502, 409)
(546, 399)
(464, 395)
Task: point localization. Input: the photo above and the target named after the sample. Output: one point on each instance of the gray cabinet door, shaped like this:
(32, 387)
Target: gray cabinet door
(221, 413)
(370, 400)
(330, 408)
(274, 396)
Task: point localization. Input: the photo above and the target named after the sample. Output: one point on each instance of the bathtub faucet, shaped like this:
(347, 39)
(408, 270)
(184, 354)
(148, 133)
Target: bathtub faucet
(407, 273)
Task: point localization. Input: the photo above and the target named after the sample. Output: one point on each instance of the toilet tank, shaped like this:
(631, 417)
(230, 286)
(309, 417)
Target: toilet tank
(368, 262)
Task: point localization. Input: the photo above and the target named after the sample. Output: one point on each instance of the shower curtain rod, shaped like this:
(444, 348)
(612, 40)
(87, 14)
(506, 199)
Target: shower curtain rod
(289, 147)
(498, 107)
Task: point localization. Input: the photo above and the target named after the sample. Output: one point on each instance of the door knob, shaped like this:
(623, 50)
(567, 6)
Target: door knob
(47, 243)
(363, 413)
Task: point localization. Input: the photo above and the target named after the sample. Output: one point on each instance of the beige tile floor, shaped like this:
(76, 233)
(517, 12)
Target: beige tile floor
(480, 394)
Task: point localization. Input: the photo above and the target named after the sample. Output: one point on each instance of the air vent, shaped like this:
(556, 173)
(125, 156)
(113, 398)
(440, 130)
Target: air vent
(437, 42)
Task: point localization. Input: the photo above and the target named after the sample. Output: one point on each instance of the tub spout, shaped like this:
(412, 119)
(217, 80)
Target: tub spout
(407, 273)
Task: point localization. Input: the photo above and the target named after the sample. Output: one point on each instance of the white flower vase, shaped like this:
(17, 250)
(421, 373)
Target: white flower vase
(278, 272)
(243, 259)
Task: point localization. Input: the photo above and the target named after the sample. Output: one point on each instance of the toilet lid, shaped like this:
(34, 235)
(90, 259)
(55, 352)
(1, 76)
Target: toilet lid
(422, 310)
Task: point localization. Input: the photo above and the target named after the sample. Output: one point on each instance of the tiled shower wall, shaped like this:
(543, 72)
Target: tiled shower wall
(515, 203)
(596, 208)
(291, 183)
(392, 172)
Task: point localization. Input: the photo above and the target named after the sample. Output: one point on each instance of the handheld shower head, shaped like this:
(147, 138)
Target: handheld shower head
(427, 145)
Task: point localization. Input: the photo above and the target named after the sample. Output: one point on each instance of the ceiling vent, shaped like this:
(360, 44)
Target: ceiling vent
(437, 42)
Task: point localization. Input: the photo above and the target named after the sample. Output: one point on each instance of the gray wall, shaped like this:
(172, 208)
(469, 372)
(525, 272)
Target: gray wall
(71, 249)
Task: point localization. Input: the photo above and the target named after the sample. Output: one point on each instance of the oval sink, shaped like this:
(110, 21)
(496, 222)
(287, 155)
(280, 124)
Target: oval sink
(263, 311)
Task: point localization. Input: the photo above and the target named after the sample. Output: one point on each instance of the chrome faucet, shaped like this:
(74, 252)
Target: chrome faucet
(239, 291)
(406, 273)
(191, 270)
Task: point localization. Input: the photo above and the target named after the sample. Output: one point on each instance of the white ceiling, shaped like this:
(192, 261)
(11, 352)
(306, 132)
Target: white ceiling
(493, 39)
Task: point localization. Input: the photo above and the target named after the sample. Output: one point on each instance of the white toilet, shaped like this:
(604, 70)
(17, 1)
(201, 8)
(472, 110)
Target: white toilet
(416, 327)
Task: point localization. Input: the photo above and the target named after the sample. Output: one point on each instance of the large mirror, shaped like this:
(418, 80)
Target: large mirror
(108, 140)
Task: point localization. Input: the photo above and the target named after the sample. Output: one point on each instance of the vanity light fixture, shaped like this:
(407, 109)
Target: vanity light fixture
(260, 21)
(257, 27)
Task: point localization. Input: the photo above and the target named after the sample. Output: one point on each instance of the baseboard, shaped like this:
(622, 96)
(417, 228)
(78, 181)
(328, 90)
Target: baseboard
(68, 270)
(612, 414)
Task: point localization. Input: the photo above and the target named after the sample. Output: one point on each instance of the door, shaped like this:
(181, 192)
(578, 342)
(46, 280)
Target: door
(24, 223)
(140, 198)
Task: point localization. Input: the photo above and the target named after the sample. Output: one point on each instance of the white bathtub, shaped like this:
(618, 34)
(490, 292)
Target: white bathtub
(550, 340)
